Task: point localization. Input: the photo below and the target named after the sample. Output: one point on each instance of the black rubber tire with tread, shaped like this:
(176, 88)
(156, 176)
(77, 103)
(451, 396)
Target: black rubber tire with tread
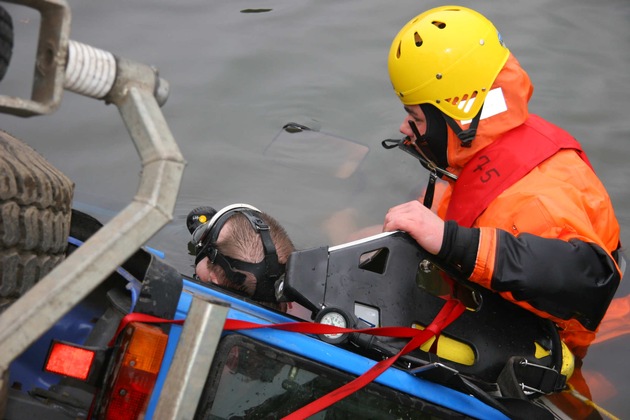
(35, 213)
(6, 40)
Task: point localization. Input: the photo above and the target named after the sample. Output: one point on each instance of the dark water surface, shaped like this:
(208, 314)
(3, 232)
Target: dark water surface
(236, 78)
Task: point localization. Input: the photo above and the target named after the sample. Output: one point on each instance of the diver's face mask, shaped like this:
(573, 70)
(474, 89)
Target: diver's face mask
(267, 272)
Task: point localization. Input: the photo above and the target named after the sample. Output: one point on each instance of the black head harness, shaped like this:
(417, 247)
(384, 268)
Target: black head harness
(267, 271)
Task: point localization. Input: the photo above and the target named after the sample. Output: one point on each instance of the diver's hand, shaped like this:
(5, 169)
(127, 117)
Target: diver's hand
(421, 223)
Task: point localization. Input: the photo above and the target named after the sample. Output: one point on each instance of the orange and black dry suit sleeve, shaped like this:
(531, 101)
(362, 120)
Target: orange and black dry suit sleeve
(565, 279)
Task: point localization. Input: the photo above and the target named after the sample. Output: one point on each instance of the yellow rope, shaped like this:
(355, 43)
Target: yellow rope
(590, 403)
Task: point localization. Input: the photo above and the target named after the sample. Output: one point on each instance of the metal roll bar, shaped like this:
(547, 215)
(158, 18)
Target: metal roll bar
(137, 91)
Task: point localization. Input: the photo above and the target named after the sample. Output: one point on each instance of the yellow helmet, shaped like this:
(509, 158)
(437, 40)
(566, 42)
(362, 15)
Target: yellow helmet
(447, 57)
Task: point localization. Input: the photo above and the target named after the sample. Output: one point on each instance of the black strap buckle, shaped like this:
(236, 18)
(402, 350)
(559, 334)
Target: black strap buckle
(520, 378)
(540, 379)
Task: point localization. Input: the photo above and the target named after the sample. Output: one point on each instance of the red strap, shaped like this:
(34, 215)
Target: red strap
(449, 312)
(499, 165)
(300, 327)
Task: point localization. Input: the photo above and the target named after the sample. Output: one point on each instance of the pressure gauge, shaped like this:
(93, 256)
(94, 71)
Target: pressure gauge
(338, 318)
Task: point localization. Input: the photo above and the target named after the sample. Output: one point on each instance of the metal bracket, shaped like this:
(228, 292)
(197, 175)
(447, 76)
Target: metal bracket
(52, 51)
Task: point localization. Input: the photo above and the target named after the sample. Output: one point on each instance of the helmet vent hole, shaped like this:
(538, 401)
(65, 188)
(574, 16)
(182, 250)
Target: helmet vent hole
(418, 39)
(468, 102)
(438, 24)
(398, 51)
(463, 103)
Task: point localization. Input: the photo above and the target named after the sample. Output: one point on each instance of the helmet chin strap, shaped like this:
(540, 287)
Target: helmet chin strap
(425, 150)
(431, 166)
(426, 160)
(465, 136)
(468, 135)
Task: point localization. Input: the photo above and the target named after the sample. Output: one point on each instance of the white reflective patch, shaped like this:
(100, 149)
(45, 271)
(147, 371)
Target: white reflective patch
(469, 105)
(494, 104)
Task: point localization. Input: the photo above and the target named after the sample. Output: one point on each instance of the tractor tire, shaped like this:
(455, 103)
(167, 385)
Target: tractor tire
(6, 41)
(35, 213)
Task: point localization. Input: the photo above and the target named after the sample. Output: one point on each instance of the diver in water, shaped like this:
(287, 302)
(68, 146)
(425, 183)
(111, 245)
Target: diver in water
(241, 249)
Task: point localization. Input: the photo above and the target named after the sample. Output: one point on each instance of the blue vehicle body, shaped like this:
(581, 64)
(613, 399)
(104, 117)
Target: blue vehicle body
(319, 351)
(159, 291)
(75, 327)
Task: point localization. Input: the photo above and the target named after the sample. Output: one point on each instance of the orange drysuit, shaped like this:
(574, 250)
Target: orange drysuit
(548, 241)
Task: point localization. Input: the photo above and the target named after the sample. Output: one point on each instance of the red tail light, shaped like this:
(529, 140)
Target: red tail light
(137, 366)
(69, 360)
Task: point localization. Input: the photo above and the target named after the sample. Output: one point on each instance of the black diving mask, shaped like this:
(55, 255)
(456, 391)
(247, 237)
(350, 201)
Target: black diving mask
(267, 272)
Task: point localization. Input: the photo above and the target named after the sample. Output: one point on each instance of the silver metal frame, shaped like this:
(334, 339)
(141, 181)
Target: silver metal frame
(193, 357)
(50, 60)
(137, 92)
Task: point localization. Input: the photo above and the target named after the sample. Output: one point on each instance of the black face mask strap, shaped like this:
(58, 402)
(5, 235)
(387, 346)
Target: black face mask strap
(426, 154)
(430, 190)
(210, 234)
(468, 135)
(267, 272)
(204, 251)
(228, 266)
(265, 284)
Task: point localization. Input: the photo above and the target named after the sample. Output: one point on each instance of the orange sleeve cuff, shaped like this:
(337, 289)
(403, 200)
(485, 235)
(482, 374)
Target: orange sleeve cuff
(486, 255)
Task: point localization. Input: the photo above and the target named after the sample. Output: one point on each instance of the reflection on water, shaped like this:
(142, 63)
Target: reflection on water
(236, 78)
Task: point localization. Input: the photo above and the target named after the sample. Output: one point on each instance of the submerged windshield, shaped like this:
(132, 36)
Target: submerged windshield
(251, 380)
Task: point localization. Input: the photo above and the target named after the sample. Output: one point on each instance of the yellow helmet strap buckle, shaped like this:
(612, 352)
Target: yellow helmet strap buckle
(468, 135)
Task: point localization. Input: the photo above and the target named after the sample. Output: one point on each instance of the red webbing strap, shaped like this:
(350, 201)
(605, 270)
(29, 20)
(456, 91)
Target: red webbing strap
(449, 312)
(498, 166)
